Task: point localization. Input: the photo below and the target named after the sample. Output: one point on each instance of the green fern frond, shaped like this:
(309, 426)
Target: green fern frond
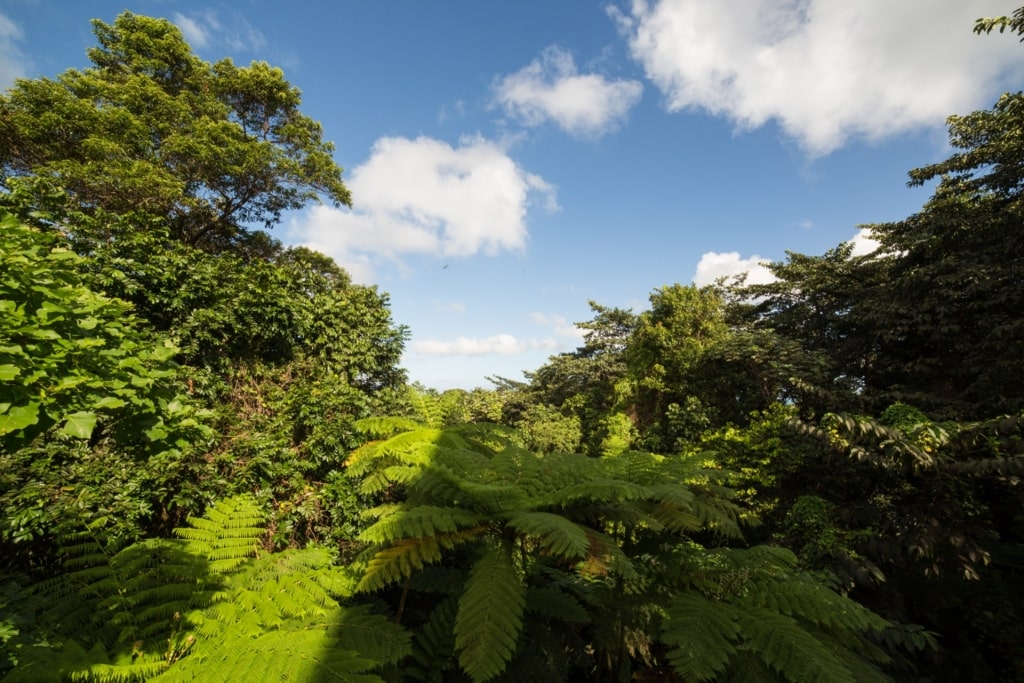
(228, 534)
(805, 599)
(702, 634)
(554, 604)
(747, 667)
(434, 645)
(372, 635)
(122, 672)
(400, 446)
(385, 427)
(421, 520)
(598, 491)
(405, 556)
(558, 536)
(300, 652)
(486, 437)
(789, 649)
(490, 614)
(721, 516)
(677, 520)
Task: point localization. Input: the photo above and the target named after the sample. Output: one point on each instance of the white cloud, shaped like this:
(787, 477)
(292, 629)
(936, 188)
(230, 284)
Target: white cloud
(193, 30)
(499, 344)
(824, 70)
(863, 243)
(425, 196)
(551, 88)
(714, 265)
(207, 27)
(560, 327)
(12, 61)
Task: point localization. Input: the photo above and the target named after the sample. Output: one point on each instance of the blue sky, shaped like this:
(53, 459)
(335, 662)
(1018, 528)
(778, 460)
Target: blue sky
(510, 161)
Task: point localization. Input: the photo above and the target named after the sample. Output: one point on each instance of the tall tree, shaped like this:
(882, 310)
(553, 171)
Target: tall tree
(213, 149)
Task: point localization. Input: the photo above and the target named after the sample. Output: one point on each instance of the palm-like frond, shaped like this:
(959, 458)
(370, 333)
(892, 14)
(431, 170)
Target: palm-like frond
(490, 614)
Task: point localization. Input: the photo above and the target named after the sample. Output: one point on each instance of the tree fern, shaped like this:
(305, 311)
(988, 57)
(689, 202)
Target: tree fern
(401, 558)
(557, 535)
(433, 651)
(202, 607)
(702, 634)
(228, 534)
(490, 614)
(565, 542)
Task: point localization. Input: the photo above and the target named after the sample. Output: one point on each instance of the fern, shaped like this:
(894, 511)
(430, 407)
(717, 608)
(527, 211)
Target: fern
(789, 649)
(557, 535)
(434, 646)
(202, 607)
(702, 634)
(490, 615)
(228, 534)
(563, 540)
(400, 559)
(423, 520)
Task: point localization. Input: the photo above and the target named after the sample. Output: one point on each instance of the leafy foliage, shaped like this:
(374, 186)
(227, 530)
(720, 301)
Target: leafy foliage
(93, 415)
(210, 148)
(606, 541)
(203, 608)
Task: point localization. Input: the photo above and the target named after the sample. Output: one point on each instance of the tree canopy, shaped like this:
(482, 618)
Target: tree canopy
(213, 149)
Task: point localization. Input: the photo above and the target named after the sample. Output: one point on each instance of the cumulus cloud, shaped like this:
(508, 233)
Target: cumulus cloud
(552, 89)
(560, 327)
(207, 27)
(863, 243)
(12, 61)
(714, 265)
(824, 70)
(499, 344)
(425, 196)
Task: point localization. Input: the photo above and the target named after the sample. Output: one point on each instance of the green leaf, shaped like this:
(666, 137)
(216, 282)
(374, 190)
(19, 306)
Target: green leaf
(490, 615)
(110, 402)
(79, 424)
(9, 372)
(19, 417)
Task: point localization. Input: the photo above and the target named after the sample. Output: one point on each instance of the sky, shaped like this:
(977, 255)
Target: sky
(512, 161)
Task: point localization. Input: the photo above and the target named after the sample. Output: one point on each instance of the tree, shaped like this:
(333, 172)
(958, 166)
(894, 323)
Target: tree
(210, 148)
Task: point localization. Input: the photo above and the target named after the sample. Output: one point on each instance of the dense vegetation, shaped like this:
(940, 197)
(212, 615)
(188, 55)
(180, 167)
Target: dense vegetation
(213, 468)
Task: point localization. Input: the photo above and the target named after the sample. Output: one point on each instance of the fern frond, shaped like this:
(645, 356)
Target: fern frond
(599, 491)
(228, 534)
(680, 520)
(434, 645)
(124, 672)
(747, 667)
(422, 520)
(789, 649)
(385, 427)
(805, 599)
(558, 536)
(403, 557)
(490, 614)
(551, 603)
(371, 635)
(298, 653)
(401, 447)
(702, 634)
